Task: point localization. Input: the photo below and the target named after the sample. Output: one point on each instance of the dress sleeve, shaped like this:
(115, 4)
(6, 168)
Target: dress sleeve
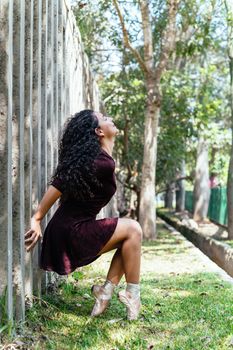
(58, 184)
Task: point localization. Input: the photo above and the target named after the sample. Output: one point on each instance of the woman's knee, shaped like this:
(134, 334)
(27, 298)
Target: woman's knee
(135, 230)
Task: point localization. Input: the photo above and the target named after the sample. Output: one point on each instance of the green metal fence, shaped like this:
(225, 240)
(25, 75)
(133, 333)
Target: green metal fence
(217, 205)
(189, 201)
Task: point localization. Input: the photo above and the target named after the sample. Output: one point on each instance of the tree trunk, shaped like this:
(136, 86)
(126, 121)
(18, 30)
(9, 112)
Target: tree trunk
(230, 195)
(201, 186)
(138, 204)
(180, 192)
(229, 8)
(147, 212)
(168, 200)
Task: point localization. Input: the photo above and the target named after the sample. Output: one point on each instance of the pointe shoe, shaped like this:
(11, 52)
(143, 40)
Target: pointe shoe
(133, 305)
(102, 300)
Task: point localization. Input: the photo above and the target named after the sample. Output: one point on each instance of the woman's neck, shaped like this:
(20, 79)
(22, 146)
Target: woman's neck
(108, 147)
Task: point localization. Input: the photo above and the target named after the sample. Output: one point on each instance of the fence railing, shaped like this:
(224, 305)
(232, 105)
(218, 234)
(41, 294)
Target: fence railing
(217, 206)
(44, 77)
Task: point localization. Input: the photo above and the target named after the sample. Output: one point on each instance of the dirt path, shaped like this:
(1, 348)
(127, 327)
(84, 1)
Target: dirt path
(172, 255)
(193, 260)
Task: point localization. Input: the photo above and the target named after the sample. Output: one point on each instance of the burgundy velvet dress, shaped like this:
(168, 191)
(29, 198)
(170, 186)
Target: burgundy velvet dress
(73, 236)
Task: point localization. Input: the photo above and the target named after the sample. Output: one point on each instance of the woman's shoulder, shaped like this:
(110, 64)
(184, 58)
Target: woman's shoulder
(57, 182)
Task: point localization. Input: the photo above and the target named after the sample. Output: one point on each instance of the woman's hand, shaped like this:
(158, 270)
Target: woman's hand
(33, 235)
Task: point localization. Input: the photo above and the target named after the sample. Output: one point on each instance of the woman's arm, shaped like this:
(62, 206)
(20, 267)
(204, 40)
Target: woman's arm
(33, 235)
(49, 198)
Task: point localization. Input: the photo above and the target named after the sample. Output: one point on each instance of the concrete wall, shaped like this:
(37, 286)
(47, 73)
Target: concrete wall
(220, 253)
(44, 77)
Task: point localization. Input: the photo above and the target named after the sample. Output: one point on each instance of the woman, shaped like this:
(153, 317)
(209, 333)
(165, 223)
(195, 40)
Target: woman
(84, 180)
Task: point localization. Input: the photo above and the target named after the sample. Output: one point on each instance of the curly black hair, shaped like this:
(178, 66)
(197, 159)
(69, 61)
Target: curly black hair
(78, 147)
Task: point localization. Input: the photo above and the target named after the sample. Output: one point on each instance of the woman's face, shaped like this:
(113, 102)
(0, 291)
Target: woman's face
(106, 126)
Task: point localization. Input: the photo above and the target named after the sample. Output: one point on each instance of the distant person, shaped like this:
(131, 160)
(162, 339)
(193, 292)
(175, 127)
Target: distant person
(213, 181)
(84, 180)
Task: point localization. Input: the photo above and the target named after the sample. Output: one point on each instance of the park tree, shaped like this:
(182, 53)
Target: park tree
(192, 88)
(229, 15)
(153, 72)
(190, 102)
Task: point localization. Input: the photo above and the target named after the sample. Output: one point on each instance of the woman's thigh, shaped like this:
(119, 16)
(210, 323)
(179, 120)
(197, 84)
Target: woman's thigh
(124, 228)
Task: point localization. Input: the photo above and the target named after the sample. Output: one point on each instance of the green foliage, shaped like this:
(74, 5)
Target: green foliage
(93, 24)
(3, 308)
(194, 94)
(6, 327)
(194, 89)
(124, 96)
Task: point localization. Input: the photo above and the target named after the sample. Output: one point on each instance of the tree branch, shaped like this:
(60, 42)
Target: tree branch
(188, 178)
(126, 40)
(168, 40)
(147, 34)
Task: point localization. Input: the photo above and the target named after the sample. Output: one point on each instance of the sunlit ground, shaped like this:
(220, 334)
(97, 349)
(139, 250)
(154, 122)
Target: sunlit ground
(185, 306)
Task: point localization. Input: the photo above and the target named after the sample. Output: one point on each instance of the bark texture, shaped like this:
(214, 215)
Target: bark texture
(169, 195)
(201, 186)
(180, 190)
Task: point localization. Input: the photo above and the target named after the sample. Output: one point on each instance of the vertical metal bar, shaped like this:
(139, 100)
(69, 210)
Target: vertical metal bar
(60, 55)
(48, 100)
(65, 60)
(9, 166)
(31, 123)
(39, 53)
(48, 93)
(27, 144)
(67, 80)
(35, 108)
(45, 102)
(64, 16)
(52, 87)
(56, 60)
(44, 112)
(21, 162)
(39, 99)
(44, 97)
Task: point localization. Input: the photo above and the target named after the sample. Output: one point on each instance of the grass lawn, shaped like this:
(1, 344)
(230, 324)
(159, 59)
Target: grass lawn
(181, 310)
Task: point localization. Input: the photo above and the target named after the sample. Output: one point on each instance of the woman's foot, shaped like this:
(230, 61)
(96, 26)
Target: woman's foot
(133, 304)
(102, 298)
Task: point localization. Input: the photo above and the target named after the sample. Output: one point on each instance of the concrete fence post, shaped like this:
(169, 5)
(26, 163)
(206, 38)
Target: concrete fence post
(44, 77)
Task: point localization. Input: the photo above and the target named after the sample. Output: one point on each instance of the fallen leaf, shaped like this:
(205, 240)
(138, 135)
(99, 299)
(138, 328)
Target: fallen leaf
(206, 339)
(115, 320)
(86, 296)
(158, 311)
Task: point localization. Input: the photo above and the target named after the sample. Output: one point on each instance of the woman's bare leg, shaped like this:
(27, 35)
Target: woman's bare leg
(116, 269)
(129, 233)
(127, 239)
